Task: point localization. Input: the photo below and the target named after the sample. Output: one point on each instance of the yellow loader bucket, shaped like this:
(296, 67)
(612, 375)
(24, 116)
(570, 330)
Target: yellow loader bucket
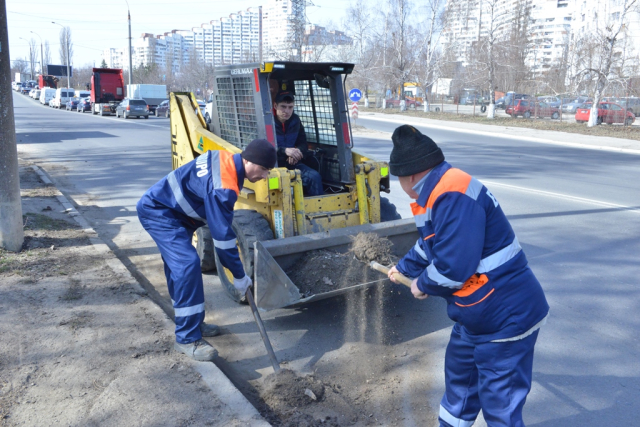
(274, 289)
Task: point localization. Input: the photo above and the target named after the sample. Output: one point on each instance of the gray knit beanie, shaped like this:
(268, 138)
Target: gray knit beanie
(412, 152)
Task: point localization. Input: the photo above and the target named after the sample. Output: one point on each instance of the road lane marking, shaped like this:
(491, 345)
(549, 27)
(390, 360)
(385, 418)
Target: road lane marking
(495, 134)
(564, 196)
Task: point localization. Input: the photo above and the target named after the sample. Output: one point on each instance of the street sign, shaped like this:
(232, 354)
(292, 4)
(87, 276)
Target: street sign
(355, 95)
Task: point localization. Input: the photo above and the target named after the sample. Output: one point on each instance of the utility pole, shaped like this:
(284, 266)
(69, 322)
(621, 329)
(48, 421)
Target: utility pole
(130, 60)
(11, 228)
(66, 42)
(41, 55)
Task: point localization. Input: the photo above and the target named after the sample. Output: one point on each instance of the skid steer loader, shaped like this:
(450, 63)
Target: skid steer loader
(274, 223)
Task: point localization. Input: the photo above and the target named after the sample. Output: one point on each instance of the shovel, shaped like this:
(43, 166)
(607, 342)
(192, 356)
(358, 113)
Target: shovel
(399, 277)
(263, 331)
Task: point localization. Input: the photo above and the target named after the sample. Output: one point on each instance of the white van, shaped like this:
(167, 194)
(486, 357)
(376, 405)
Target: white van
(82, 94)
(62, 96)
(46, 95)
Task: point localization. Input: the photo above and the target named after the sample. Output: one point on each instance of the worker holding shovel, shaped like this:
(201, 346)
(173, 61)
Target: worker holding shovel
(469, 255)
(202, 191)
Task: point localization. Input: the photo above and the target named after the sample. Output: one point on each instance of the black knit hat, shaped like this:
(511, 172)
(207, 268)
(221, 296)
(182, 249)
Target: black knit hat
(412, 152)
(261, 152)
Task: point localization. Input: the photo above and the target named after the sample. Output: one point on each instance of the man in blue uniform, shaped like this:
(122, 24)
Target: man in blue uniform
(202, 191)
(292, 143)
(468, 254)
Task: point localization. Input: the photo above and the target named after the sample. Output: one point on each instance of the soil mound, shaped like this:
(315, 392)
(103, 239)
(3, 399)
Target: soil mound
(286, 390)
(369, 247)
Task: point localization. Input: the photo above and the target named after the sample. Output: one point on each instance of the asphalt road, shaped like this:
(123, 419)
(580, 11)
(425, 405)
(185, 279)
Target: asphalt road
(576, 213)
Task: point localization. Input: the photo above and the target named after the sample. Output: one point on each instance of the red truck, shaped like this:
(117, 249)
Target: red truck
(47, 81)
(107, 90)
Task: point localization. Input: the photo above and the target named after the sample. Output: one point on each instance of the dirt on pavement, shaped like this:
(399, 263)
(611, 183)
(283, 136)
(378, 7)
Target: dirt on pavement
(79, 346)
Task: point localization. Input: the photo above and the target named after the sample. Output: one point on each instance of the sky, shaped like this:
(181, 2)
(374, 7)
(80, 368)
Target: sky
(100, 24)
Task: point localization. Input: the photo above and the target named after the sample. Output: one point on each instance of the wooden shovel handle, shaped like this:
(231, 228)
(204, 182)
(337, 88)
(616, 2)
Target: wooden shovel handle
(399, 277)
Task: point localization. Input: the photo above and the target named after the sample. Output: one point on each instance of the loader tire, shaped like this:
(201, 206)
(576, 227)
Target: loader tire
(250, 227)
(203, 243)
(388, 211)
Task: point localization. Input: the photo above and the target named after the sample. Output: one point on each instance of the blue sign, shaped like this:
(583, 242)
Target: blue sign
(355, 95)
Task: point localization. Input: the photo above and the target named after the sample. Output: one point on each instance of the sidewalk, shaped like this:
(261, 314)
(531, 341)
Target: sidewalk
(82, 345)
(543, 136)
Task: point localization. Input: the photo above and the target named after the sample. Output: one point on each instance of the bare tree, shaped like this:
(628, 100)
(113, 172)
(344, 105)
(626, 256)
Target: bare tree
(602, 54)
(20, 65)
(359, 20)
(401, 32)
(429, 53)
(66, 45)
(33, 56)
(47, 55)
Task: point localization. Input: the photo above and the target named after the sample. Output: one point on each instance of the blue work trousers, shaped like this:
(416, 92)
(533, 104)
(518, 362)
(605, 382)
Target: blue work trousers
(184, 277)
(311, 180)
(494, 377)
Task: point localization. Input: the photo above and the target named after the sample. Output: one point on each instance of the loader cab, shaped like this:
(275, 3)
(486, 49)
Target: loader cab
(243, 110)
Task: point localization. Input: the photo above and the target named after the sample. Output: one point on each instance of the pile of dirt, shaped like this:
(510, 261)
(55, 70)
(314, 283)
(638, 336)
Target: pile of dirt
(287, 395)
(323, 270)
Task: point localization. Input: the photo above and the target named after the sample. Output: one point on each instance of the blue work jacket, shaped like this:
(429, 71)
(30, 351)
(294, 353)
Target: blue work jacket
(201, 191)
(468, 254)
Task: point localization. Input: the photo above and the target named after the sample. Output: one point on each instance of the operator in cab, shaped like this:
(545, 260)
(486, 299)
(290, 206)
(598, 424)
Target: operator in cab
(292, 143)
(201, 192)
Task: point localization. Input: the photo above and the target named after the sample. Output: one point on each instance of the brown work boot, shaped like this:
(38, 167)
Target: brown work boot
(209, 329)
(199, 350)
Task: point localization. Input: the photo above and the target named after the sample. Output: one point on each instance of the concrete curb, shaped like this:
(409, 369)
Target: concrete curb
(213, 377)
(425, 122)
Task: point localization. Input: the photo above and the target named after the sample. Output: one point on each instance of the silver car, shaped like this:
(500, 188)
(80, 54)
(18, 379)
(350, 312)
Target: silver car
(132, 108)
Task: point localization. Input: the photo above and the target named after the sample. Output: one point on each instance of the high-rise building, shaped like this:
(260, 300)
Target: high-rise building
(550, 34)
(283, 23)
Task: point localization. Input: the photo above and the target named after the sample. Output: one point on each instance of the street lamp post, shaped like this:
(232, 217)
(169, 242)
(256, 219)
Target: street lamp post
(66, 39)
(30, 55)
(41, 54)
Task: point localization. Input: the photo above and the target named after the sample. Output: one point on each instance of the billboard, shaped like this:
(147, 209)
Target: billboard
(59, 70)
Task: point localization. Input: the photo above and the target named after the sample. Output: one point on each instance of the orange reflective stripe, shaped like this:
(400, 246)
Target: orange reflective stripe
(485, 297)
(416, 209)
(453, 180)
(228, 174)
(472, 284)
(429, 236)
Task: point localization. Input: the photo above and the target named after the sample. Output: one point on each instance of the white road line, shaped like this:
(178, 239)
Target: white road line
(496, 134)
(563, 196)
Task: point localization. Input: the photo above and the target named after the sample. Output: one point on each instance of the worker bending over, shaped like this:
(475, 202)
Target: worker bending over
(292, 143)
(202, 191)
(468, 254)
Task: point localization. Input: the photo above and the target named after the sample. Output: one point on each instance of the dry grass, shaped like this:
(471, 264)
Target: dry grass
(614, 131)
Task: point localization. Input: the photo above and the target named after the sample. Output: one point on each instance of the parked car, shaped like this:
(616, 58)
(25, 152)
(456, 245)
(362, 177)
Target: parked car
(572, 106)
(84, 104)
(500, 103)
(132, 107)
(72, 104)
(25, 89)
(527, 108)
(46, 95)
(553, 101)
(608, 112)
(511, 97)
(408, 102)
(62, 96)
(162, 110)
(631, 104)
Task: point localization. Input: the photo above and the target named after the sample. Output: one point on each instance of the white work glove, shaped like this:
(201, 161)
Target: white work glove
(242, 284)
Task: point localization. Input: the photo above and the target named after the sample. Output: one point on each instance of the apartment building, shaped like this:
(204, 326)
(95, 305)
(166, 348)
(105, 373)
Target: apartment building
(550, 34)
(283, 23)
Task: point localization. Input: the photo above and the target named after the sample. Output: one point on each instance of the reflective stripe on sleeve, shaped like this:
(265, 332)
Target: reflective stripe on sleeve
(189, 311)
(453, 421)
(215, 168)
(474, 188)
(441, 280)
(419, 250)
(224, 244)
(177, 193)
(502, 256)
(422, 219)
